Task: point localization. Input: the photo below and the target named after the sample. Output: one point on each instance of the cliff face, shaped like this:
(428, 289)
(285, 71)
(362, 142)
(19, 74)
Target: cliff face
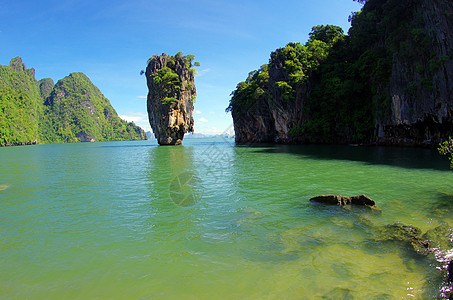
(421, 83)
(388, 82)
(171, 86)
(270, 118)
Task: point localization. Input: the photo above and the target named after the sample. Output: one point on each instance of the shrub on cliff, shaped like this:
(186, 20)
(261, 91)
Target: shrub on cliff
(296, 61)
(168, 84)
(446, 148)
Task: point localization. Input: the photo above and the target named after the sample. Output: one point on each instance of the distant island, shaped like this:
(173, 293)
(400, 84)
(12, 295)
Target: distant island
(41, 112)
(197, 135)
(389, 81)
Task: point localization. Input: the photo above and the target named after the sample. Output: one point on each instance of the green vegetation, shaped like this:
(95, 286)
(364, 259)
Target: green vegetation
(446, 148)
(17, 124)
(73, 110)
(297, 61)
(20, 104)
(169, 80)
(248, 92)
(84, 114)
(168, 85)
(345, 78)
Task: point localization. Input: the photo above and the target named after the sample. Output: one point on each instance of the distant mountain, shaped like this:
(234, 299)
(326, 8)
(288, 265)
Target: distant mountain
(197, 135)
(72, 110)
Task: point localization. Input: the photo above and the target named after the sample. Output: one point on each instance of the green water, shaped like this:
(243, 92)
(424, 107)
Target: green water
(210, 220)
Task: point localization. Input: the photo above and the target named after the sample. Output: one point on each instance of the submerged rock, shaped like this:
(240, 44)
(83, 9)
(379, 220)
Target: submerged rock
(439, 237)
(404, 233)
(339, 293)
(344, 200)
(171, 86)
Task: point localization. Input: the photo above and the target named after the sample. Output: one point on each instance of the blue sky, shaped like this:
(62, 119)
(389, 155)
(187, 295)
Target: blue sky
(110, 41)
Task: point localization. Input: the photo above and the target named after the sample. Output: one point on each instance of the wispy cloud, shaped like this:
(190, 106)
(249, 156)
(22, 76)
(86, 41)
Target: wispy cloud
(139, 118)
(134, 116)
(141, 97)
(203, 72)
(198, 112)
(203, 120)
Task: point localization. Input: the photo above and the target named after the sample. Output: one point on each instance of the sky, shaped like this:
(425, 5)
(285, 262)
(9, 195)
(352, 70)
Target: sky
(111, 41)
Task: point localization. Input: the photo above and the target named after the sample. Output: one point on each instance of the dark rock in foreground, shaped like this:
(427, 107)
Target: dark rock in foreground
(344, 200)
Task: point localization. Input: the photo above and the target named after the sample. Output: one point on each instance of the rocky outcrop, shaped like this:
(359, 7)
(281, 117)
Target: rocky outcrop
(45, 87)
(171, 95)
(17, 65)
(362, 200)
(421, 83)
(390, 82)
(271, 118)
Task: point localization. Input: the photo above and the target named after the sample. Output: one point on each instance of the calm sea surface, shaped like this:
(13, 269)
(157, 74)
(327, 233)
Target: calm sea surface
(211, 220)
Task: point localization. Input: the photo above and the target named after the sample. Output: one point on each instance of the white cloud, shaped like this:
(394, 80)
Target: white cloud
(139, 118)
(209, 129)
(202, 72)
(203, 120)
(212, 112)
(198, 112)
(134, 117)
(142, 97)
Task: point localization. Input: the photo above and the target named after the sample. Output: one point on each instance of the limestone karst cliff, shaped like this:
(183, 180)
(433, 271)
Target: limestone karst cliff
(79, 112)
(420, 88)
(72, 110)
(171, 95)
(388, 81)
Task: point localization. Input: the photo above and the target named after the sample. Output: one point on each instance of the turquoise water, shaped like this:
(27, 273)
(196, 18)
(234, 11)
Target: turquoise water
(210, 220)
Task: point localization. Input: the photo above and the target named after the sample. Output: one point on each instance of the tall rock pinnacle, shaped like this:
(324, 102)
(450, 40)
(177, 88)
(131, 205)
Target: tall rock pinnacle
(171, 95)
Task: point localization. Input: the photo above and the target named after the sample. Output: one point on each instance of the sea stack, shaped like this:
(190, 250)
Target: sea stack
(171, 94)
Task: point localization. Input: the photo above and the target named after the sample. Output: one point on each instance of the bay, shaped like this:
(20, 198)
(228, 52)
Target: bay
(212, 220)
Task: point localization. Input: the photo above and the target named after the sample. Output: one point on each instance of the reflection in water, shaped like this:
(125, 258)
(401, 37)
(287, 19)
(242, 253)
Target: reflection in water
(411, 158)
(174, 187)
(4, 187)
(82, 221)
(173, 171)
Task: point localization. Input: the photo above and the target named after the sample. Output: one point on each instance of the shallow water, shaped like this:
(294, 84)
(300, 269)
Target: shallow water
(211, 220)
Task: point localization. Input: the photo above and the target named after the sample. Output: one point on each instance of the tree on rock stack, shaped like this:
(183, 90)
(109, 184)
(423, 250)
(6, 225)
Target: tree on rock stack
(171, 86)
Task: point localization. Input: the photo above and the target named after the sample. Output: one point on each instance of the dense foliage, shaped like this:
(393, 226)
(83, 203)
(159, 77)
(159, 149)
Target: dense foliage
(446, 148)
(167, 80)
(17, 124)
(297, 62)
(73, 110)
(79, 112)
(345, 78)
(20, 105)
